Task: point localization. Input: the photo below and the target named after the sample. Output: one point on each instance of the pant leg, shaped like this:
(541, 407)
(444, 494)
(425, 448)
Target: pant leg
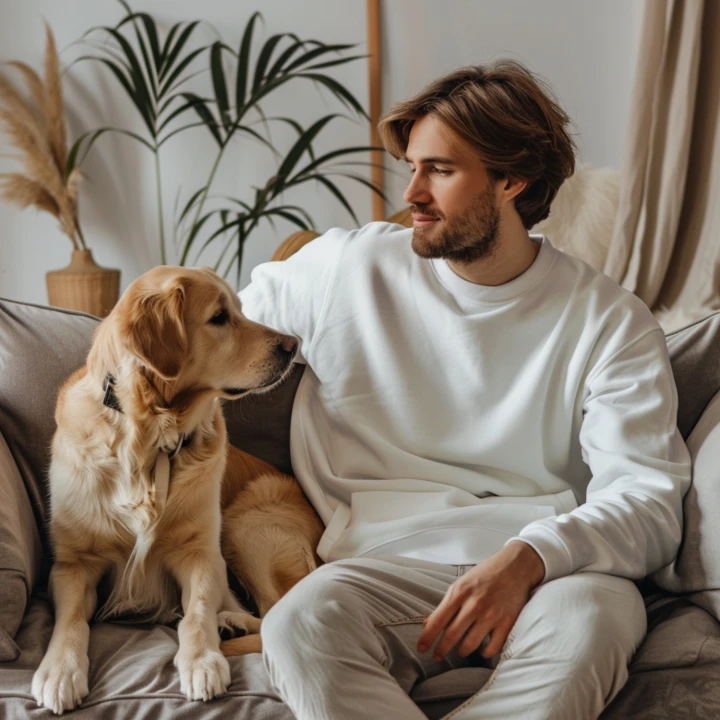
(342, 643)
(567, 655)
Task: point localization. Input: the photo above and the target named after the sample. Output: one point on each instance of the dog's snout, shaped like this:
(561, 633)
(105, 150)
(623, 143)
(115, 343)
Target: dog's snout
(288, 345)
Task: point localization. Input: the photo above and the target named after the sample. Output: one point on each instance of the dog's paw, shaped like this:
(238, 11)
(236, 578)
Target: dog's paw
(204, 675)
(60, 684)
(232, 624)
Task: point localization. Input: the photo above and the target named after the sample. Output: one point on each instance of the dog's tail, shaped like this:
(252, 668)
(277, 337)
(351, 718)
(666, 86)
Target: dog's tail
(245, 645)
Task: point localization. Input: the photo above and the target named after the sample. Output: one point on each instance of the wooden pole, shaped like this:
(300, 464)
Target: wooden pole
(375, 84)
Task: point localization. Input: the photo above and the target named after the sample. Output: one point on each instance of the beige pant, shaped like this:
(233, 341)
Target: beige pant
(342, 644)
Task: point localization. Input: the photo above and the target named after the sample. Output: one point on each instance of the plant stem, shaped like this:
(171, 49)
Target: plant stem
(80, 235)
(161, 222)
(203, 197)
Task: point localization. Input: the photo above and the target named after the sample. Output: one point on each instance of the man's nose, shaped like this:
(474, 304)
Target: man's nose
(416, 192)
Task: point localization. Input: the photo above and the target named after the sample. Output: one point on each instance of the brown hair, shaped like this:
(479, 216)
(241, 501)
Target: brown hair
(510, 116)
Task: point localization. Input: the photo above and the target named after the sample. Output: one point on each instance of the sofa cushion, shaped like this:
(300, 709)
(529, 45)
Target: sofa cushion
(20, 551)
(675, 673)
(39, 348)
(696, 568)
(695, 356)
(132, 676)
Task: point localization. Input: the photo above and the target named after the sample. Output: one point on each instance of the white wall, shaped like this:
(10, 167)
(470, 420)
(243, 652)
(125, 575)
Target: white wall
(585, 49)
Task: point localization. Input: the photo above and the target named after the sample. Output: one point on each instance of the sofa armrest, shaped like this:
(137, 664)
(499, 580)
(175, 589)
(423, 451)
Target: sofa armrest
(294, 242)
(20, 551)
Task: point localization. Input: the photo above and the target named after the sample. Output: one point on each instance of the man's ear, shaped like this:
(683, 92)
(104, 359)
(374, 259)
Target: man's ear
(513, 186)
(156, 330)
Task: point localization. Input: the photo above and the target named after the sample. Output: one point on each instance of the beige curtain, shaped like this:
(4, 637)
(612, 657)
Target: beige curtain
(666, 241)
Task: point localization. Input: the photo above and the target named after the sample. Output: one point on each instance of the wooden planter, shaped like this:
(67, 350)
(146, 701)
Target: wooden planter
(84, 286)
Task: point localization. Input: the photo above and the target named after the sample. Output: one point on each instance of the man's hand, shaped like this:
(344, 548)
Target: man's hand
(485, 601)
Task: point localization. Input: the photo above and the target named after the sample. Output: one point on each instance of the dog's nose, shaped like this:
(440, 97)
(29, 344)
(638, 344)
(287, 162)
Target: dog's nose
(288, 344)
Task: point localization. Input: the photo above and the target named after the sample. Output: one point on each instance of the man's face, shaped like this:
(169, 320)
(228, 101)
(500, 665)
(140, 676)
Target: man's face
(455, 208)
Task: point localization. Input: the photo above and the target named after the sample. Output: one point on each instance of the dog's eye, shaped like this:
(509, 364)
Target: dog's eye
(220, 318)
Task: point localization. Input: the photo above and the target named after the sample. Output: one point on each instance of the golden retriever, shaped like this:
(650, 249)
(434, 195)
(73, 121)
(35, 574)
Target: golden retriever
(141, 469)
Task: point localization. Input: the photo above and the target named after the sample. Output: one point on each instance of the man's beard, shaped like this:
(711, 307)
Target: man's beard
(464, 239)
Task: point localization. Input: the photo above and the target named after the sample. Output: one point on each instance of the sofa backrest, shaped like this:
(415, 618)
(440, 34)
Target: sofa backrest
(40, 346)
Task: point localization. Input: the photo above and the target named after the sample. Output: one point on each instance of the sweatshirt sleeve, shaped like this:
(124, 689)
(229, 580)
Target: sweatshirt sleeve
(631, 522)
(290, 295)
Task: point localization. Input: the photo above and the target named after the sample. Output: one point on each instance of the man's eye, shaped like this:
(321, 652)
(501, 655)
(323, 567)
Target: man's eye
(220, 318)
(440, 171)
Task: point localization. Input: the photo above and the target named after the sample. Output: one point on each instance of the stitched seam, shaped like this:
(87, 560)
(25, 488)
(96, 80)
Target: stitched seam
(596, 371)
(326, 298)
(506, 655)
(51, 308)
(401, 621)
(154, 696)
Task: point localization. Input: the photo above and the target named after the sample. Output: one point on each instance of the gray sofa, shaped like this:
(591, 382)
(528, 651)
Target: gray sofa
(675, 673)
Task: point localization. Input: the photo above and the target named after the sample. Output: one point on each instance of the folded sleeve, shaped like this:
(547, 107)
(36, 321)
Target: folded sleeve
(631, 522)
(290, 295)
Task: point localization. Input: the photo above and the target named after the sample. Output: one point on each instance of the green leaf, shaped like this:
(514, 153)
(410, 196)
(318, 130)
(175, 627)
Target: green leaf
(243, 68)
(174, 132)
(172, 55)
(218, 78)
(336, 192)
(301, 145)
(179, 111)
(299, 129)
(331, 155)
(220, 231)
(317, 52)
(141, 95)
(151, 68)
(166, 47)
(72, 160)
(189, 204)
(227, 247)
(205, 115)
(193, 234)
(257, 136)
(339, 61)
(286, 55)
(342, 93)
(167, 84)
(289, 217)
(264, 59)
(362, 181)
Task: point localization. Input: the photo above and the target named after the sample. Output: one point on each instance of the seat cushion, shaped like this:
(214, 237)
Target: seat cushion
(675, 673)
(20, 552)
(132, 676)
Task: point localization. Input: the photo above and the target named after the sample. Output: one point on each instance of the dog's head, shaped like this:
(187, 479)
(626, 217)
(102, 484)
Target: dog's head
(186, 326)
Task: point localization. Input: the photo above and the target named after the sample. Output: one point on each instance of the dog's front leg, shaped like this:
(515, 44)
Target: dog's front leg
(204, 671)
(61, 681)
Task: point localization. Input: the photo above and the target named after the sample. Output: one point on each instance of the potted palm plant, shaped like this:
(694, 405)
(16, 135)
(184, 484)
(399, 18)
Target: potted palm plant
(152, 68)
(50, 180)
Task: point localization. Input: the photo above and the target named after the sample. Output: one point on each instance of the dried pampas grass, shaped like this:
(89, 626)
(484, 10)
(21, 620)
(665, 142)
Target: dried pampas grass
(37, 131)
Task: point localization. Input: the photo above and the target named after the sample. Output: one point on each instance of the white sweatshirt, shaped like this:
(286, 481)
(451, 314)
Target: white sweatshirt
(439, 419)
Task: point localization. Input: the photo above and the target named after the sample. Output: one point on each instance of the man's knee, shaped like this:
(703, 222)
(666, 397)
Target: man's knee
(322, 603)
(586, 616)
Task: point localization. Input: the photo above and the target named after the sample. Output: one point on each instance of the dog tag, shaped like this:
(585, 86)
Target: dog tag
(162, 481)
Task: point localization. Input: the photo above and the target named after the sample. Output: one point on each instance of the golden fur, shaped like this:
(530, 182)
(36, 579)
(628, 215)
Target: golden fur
(175, 344)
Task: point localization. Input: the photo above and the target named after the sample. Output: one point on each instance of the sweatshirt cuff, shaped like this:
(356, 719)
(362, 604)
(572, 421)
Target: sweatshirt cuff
(552, 551)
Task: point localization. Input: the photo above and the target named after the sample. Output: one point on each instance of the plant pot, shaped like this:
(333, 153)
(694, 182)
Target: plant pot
(84, 286)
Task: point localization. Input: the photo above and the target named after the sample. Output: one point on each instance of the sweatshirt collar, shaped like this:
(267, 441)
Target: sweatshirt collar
(499, 293)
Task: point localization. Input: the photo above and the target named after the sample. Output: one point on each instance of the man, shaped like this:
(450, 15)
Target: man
(485, 425)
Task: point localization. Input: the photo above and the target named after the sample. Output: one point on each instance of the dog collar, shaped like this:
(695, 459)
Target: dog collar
(110, 400)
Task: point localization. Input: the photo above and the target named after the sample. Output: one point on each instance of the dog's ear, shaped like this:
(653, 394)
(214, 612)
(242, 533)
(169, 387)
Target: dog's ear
(156, 330)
